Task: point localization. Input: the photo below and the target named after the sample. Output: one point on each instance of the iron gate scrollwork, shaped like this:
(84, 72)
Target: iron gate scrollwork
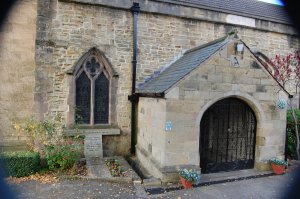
(227, 137)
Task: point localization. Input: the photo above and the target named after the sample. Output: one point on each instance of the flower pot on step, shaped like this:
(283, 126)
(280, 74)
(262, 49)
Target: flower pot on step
(186, 184)
(278, 169)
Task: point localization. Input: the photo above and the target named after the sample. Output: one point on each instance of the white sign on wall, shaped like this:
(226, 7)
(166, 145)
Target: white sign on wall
(239, 20)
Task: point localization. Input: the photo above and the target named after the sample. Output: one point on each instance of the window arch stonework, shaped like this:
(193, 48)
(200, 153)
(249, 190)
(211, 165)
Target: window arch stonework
(92, 91)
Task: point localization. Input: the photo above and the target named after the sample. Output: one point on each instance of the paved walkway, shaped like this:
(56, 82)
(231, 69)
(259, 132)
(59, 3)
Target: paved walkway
(259, 188)
(268, 187)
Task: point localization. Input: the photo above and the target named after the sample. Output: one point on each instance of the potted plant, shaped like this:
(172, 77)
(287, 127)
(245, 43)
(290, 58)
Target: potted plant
(188, 177)
(278, 165)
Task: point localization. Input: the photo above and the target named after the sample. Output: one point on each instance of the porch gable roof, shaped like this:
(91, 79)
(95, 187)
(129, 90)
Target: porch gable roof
(190, 60)
(159, 83)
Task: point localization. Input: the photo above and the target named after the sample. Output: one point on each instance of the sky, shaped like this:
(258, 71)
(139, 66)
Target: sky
(278, 2)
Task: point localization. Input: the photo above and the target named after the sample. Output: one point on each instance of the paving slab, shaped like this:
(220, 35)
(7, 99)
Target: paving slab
(129, 171)
(217, 178)
(97, 169)
(213, 178)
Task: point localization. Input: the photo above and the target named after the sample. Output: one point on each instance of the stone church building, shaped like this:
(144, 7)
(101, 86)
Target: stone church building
(167, 80)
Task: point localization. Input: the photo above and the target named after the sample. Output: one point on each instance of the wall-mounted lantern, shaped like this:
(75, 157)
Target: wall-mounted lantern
(240, 48)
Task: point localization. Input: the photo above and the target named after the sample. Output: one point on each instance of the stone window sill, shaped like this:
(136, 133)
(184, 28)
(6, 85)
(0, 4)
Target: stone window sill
(96, 129)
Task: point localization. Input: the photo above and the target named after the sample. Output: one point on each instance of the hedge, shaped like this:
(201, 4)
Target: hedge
(20, 163)
(292, 140)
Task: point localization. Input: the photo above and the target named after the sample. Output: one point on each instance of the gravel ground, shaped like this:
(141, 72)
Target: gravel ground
(260, 188)
(69, 189)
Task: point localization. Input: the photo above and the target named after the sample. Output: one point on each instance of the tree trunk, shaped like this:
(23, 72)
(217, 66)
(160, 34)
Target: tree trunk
(296, 131)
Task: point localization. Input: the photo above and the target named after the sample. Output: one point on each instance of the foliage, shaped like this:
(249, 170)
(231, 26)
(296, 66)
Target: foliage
(78, 115)
(278, 162)
(287, 68)
(62, 154)
(41, 133)
(20, 163)
(287, 72)
(44, 176)
(47, 138)
(292, 143)
(190, 175)
(115, 167)
(292, 139)
(290, 122)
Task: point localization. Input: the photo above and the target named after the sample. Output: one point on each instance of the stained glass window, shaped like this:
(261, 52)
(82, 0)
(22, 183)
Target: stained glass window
(83, 99)
(92, 94)
(93, 67)
(101, 99)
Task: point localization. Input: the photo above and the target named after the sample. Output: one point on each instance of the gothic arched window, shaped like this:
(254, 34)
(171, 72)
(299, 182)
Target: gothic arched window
(92, 93)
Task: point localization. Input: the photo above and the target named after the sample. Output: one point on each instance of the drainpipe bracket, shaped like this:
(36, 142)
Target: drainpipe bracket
(134, 97)
(135, 9)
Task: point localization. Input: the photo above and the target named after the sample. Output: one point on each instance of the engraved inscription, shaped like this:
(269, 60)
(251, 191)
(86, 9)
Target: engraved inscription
(93, 145)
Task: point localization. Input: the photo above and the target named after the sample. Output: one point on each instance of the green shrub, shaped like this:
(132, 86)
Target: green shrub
(40, 133)
(190, 175)
(63, 154)
(47, 138)
(21, 163)
(292, 139)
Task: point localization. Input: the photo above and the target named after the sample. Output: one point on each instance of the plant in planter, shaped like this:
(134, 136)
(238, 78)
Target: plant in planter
(278, 165)
(188, 177)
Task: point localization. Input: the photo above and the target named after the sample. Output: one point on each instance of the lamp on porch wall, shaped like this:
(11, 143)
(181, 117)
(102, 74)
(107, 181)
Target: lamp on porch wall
(240, 48)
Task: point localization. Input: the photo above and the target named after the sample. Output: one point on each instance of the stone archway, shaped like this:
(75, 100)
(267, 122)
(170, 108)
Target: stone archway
(228, 133)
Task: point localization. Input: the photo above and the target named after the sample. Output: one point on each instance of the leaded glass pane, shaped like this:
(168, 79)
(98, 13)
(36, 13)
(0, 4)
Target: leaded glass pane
(83, 99)
(101, 99)
(93, 67)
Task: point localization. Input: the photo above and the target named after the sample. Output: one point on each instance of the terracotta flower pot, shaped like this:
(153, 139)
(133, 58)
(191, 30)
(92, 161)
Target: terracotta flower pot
(278, 169)
(186, 184)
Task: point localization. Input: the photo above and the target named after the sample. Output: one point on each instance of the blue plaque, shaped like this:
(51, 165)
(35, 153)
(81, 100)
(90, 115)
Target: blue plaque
(169, 126)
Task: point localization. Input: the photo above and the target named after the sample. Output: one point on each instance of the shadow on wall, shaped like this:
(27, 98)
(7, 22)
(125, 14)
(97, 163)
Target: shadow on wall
(5, 192)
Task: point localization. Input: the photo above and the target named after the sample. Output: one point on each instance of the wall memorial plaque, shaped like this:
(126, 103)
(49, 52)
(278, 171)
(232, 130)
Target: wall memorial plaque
(93, 145)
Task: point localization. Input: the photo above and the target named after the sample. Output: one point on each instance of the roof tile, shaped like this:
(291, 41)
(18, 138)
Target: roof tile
(248, 8)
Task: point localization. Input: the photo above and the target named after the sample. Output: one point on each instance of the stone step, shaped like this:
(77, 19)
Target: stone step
(213, 178)
(152, 182)
(138, 168)
(97, 168)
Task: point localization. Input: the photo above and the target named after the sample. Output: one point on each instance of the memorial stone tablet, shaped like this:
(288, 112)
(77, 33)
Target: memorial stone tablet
(93, 145)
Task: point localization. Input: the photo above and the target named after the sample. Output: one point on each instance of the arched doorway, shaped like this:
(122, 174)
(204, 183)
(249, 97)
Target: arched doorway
(227, 139)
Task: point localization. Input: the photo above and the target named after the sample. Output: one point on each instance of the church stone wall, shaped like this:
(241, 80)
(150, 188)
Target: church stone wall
(66, 29)
(70, 31)
(151, 134)
(163, 39)
(17, 76)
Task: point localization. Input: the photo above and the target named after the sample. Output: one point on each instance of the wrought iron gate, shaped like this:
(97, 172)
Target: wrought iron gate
(227, 137)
